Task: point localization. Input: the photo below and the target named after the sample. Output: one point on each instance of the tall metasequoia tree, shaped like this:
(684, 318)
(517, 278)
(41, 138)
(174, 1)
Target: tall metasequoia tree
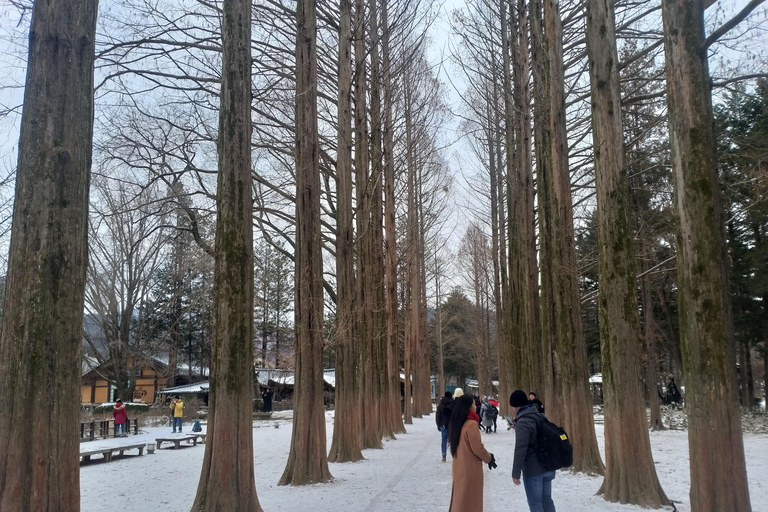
(346, 443)
(380, 381)
(390, 247)
(523, 282)
(366, 297)
(630, 475)
(715, 444)
(227, 478)
(411, 288)
(42, 325)
(509, 353)
(422, 382)
(307, 461)
(565, 358)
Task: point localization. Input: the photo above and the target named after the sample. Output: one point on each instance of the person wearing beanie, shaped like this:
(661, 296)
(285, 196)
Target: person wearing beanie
(536, 480)
(121, 416)
(443, 418)
(469, 454)
(457, 393)
(536, 402)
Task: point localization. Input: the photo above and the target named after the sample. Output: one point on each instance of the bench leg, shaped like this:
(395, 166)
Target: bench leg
(177, 444)
(108, 457)
(141, 450)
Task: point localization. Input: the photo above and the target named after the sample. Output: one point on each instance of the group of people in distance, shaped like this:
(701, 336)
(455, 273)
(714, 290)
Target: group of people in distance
(121, 415)
(459, 425)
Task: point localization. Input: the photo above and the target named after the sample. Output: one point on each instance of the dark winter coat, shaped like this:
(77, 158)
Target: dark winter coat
(119, 414)
(444, 410)
(537, 403)
(526, 442)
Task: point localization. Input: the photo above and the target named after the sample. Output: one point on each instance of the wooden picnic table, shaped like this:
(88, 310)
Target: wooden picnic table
(107, 451)
(189, 438)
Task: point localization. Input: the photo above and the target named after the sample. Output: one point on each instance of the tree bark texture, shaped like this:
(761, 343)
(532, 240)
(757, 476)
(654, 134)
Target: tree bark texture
(346, 443)
(510, 358)
(368, 401)
(227, 478)
(307, 461)
(630, 474)
(522, 209)
(379, 340)
(42, 327)
(718, 471)
(411, 330)
(390, 248)
(570, 401)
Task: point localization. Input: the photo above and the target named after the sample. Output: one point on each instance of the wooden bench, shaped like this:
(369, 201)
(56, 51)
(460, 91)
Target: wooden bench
(107, 452)
(189, 438)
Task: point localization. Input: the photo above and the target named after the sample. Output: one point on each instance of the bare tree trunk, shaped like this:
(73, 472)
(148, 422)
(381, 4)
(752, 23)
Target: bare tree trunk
(630, 475)
(390, 271)
(346, 443)
(509, 344)
(425, 389)
(307, 461)
(380, 381)
(439, 332)
(651, 358)
(718, 471)
(411, 325)
(570, 401)
(227, 479)
(523, 208)
(370, 428)
(42, 327)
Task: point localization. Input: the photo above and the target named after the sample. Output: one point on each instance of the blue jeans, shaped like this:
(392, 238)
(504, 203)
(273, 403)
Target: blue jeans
(444, 443)
(119, 426)
(538, 491)
(176, 421)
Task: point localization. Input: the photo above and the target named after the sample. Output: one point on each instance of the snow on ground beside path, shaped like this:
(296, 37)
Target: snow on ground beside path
(406, 474)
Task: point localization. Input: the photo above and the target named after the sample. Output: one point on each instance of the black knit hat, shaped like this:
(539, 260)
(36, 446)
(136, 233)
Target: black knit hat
(518, 398)
(448, 394)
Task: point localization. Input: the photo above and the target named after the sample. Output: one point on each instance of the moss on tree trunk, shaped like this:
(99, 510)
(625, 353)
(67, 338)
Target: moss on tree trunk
(42, 325)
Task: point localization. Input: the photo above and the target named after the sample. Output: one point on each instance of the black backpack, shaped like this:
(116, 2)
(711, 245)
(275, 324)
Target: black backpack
(554, 448)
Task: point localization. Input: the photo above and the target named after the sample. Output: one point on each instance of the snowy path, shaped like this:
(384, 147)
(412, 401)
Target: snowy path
(406, 475)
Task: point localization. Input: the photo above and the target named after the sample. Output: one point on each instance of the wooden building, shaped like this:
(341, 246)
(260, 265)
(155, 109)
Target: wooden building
(151, 376)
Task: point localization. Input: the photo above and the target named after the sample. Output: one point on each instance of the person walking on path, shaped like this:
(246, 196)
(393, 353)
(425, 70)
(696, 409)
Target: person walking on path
(177, 410)
(537, 481)
(495, 405)
(469, 454)
(536, 402)
(121, 416)
(486, 415)
(443, 418)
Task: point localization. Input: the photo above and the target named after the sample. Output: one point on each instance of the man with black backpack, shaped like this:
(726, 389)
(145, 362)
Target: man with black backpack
(537, 479)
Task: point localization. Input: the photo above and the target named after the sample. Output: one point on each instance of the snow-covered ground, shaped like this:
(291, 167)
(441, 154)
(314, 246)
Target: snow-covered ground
(406, 475)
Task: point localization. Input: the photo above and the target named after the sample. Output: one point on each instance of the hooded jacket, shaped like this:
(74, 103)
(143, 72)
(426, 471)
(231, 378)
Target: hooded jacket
(444, 410)
(526, 442)
(119, 413)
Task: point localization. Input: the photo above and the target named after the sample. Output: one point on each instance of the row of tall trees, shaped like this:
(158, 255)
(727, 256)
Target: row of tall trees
(618, 191)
